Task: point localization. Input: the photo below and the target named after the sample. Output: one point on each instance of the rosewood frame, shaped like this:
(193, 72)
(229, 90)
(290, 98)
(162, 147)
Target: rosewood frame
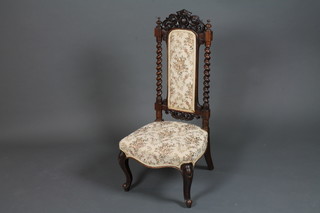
(181, 20)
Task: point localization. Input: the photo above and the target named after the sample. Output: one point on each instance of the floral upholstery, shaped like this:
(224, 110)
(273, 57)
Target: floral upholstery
(181, 70)
(165, 144)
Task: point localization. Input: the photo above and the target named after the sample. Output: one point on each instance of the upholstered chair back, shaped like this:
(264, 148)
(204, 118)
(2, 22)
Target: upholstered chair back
(182, 70)
(183, 34)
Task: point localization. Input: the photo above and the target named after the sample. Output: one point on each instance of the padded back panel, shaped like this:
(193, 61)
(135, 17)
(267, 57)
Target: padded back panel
(182, 53)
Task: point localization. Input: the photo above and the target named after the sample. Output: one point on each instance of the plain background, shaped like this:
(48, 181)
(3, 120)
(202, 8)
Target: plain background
(77, 76)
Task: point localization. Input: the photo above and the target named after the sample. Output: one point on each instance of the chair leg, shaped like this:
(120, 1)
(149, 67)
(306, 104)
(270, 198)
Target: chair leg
(187, 174)
(124, 164)
(207, 156)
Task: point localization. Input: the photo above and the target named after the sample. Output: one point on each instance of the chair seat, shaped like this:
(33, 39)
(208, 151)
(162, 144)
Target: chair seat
(165, 144)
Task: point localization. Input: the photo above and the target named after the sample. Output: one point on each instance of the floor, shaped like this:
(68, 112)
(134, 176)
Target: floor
(256, 171)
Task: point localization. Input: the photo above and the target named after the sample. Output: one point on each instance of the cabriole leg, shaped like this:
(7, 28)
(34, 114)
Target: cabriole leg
(187, 174)
(124, 164)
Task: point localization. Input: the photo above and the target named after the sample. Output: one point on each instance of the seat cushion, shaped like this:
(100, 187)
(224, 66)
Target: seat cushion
(165, 144)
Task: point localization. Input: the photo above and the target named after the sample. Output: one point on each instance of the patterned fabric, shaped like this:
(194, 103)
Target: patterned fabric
(166, 144)
(181, 70)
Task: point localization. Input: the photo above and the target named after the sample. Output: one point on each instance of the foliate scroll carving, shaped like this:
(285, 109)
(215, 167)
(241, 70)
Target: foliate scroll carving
(185, 20)
(182, 115)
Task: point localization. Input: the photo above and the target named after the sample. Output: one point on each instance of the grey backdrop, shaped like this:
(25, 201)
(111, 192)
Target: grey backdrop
(77, 76)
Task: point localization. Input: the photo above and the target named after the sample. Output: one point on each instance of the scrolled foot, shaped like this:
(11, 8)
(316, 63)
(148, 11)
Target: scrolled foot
(189, 203)
(124, 163)
(126, 186)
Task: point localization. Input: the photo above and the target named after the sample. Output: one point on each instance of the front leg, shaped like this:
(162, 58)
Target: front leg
(187, 174)
(124, 164)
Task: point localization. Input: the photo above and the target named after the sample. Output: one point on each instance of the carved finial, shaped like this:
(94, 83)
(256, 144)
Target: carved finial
(158, 21)
(208, 25)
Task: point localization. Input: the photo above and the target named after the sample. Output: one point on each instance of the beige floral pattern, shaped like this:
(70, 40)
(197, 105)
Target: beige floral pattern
(181, 70)
(165, 144)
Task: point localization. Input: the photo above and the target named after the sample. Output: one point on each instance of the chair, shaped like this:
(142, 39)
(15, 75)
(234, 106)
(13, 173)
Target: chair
(175, 144)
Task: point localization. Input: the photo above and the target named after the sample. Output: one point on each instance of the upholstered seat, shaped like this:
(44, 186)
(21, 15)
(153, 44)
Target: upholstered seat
(166, 144)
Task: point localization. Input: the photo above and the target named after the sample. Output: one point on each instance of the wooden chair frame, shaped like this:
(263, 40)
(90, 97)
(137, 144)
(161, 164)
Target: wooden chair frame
(181, 20)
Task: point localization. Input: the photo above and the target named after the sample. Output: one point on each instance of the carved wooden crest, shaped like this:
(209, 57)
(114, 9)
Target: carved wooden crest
(185, 20)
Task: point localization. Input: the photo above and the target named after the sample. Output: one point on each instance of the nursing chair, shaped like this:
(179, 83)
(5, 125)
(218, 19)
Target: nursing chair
(174, 144)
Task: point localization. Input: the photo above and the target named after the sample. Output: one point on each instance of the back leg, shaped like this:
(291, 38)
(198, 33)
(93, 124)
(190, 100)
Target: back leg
(207, 155)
